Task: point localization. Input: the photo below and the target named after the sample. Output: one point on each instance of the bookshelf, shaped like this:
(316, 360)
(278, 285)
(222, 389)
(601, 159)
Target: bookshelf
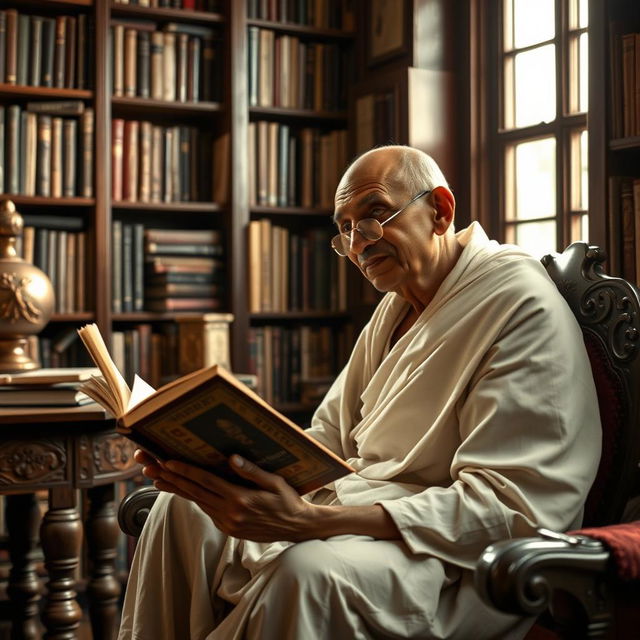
(217, 122)
(614, 136)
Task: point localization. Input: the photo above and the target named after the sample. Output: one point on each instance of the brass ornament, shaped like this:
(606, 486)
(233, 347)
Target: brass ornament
(26, 295)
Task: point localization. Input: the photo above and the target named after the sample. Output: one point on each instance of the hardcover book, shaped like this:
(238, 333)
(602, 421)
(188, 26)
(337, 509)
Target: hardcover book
(205, 417)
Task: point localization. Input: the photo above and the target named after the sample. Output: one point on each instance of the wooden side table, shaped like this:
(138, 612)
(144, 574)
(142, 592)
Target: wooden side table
(62, 449)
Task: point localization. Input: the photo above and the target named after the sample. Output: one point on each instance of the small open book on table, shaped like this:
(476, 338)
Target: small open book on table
(205, 417)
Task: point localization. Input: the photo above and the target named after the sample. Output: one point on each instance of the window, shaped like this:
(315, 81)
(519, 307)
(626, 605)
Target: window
(540, 128)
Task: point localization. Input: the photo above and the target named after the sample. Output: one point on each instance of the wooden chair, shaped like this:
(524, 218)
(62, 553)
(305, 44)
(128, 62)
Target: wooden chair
(575, 576)
(520, 576)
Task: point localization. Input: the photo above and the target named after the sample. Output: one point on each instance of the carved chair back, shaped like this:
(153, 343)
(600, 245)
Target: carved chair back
(608, 312)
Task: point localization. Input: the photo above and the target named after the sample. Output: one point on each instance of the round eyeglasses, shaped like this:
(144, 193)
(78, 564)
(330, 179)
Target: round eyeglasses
(369, 228)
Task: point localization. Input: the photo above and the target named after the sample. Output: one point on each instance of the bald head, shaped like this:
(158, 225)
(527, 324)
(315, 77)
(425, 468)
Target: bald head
(401, 167)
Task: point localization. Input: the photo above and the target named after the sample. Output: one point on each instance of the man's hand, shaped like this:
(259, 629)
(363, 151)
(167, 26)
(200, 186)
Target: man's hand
(274, 511)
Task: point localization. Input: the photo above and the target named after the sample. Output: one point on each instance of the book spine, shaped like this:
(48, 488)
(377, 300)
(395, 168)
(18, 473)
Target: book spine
(35, 70)
(130, 62)
(130, 161)
(193, 70)
(22, 60)
(143, 64)
(156, 53)
(81, 52)
(157, 147)
(48, 52)
(3, 45)
(182, 58)
(116, 285)
(44, 156)
(13, 150)
(127, 268)
(169, 64)
(138, 267)
(117, 143)
(117, 45)
(59, 52)
(56, 157)
(144, 171)
(11, 64)
(87, 121)
(70, 53)
(69, 172)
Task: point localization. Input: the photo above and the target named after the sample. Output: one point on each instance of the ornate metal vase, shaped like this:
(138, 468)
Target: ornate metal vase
(26, 295)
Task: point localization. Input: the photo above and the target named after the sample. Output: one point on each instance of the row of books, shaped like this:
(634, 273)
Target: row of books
(624, 226)
(60, 349)
(153, 163)
(40, 51)
(179, 62)
(332, 14)
(61, 254)
(376, 120)
(285, 71)
(146, 350)
(290, 271)
(625, 80)
(288, 359)
(166, 270)
(46, 155)
(194, 5)
(294, 167)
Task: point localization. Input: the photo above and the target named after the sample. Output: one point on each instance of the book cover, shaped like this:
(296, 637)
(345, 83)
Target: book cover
(130, 62)
(70, 53)
(56, 157)
(143, 64)
(70, 162)
(205, 417)
(24, 45)
(59, 57)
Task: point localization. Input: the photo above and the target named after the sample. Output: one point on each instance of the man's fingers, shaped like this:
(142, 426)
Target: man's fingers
(262, 478)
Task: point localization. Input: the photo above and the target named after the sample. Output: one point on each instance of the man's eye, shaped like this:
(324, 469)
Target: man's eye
(378, 212)
(345, 227)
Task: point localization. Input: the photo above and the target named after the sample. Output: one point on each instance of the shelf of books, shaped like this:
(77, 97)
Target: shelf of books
(623, 138)
(123, 144)
(299, 66)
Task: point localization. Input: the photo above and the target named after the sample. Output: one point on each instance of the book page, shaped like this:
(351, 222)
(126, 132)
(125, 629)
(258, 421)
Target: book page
(118, 388)
(139, 392)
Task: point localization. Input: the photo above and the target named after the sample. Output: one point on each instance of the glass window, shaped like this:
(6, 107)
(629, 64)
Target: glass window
(542, 134)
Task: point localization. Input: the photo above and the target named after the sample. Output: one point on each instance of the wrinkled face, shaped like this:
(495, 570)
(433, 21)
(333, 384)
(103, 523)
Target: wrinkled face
(399, 259)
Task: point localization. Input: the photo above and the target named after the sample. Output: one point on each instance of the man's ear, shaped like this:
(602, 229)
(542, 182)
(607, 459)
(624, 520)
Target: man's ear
(445, 206)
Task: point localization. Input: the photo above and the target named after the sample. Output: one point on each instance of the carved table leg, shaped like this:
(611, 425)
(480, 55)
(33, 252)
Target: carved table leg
(61, 536)
(102, 536)
(23, 520)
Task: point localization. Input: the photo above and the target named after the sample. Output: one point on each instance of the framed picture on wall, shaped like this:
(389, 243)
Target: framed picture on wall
(387, 30)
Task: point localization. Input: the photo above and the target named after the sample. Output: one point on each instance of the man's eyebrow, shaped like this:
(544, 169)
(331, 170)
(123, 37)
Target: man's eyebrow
(368, 199)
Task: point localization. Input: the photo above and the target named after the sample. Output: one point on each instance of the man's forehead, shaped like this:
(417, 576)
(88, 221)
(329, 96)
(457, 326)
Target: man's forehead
(358, 200)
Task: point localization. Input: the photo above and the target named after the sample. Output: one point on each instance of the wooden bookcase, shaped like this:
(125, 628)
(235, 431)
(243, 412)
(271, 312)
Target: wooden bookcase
(228, 118)
(613, 151)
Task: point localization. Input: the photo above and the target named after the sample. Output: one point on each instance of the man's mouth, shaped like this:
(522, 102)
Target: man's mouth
(372, 261)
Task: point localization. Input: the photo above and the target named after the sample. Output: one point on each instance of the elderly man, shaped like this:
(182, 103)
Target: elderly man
(467, 409)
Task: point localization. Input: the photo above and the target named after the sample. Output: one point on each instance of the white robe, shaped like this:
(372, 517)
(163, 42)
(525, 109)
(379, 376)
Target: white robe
(480, 424)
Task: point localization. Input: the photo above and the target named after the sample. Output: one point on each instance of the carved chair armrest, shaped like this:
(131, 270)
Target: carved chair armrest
(525, 576)
(134, 509)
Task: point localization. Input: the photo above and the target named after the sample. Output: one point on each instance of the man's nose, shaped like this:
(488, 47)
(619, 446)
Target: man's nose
(358, 243)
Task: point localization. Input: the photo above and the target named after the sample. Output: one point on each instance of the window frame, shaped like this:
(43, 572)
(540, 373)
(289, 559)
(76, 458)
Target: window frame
(490, 141)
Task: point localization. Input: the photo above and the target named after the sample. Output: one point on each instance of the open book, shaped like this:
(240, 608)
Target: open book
(205, 417)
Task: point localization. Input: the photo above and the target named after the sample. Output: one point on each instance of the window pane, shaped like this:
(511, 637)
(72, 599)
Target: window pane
(579, 187)
(535, 84)
(538, 238)
(580, 228)
(583, 13)
(584, 72)
(534, 21)
(535, 179)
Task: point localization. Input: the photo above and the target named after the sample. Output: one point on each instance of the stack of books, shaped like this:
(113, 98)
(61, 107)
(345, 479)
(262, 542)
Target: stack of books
(184, 270)
(45, 387)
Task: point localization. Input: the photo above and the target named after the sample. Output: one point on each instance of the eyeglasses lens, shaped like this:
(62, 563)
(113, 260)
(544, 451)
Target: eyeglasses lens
(369, 228)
